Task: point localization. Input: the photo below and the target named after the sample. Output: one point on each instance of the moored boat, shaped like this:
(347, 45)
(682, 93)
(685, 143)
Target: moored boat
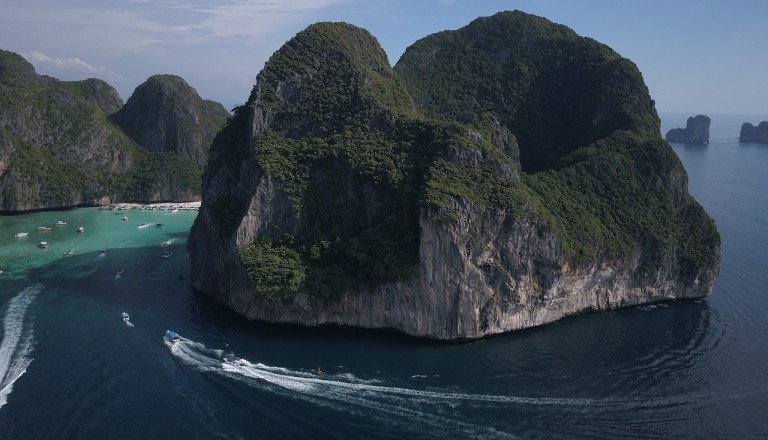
(43, 244)
(43, 228)
(21, 234)
(61, 222)
(80, 229)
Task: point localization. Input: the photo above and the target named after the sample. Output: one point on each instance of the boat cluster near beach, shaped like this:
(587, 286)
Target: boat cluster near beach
(171, 207)
(44, 244)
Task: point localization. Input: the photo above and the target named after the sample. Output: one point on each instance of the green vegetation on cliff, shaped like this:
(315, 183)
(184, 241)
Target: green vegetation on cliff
(59, 147)
(362, 150)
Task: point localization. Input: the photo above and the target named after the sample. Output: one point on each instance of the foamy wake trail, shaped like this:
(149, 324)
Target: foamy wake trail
(129, 323)
(17, 342)
(344, 393)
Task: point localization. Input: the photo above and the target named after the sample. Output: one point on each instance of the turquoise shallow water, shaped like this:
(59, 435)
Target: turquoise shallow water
(70, 368)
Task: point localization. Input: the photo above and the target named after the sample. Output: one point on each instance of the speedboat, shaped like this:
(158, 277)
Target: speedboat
(102, 252)
(160, 225)
(80, 229)
(61, 222)
(119, 273)
(43, 244)
(21, 234)
(166, 255)
(69, 252)
(126, 317)
(166, 243)
(172, 336)
(125, 219)
(142, 225)
(231, 359)
(43, 228)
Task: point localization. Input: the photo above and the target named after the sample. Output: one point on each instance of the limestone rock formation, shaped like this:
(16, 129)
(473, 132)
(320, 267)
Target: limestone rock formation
(166, 114)
(56, 146)
(751, 134)
(501, 176)
(59, 149)
(696, 131)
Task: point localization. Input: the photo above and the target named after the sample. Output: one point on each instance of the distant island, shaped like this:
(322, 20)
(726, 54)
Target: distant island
(751, 134)
(696, 131)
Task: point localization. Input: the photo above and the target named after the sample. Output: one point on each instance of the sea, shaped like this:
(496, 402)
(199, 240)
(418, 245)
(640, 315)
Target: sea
(72, 368)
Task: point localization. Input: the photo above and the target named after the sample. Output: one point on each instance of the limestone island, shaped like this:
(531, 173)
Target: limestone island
(500, 176)
(75, 143)
(756, 135)
(696, 131)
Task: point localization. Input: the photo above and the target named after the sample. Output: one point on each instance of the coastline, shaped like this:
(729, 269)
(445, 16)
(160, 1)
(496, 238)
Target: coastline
(187, 206)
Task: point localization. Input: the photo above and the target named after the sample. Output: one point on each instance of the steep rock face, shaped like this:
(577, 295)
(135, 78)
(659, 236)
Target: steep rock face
(56, 146)
(304, 183)
(59, 149)
(751, 134)
(696, 131)
(166, 114)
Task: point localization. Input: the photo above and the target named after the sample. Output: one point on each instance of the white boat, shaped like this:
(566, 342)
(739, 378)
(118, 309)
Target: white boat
(125, 219)
(43, 228)
(70, 252)
(21, 234)
(119, 273)
(80, 229)
(126, 317)
(166, 243)
(143, 225)
(231, 359)
(43, 244)
(61, 222)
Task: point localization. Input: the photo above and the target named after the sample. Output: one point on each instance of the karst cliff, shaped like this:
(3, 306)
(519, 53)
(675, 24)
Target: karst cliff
(500, 176)
(696, 131)
(754, 134)
(73, 143)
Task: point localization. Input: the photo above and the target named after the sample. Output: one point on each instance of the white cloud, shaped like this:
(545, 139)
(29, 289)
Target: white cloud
(254, 18)
(75, 65)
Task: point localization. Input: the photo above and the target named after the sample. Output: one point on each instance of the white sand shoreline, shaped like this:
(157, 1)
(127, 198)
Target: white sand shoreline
(166, 206)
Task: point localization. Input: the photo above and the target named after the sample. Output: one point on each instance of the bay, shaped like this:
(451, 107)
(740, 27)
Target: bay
(70, 368)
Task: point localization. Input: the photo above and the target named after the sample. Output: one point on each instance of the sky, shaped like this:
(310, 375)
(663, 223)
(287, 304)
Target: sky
(696, 56)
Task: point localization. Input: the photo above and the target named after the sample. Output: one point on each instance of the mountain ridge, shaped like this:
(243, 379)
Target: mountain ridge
(59, 147)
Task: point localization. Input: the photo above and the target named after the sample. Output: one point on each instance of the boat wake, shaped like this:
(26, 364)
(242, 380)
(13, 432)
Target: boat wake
(416, 403)
(347, 393)
(17, 342)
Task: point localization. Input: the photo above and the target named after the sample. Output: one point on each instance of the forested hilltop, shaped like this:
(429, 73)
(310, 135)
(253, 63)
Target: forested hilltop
(59, 147)
(500, 176)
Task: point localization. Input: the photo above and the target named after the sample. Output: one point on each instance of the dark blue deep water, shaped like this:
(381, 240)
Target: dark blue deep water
(70, 368)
